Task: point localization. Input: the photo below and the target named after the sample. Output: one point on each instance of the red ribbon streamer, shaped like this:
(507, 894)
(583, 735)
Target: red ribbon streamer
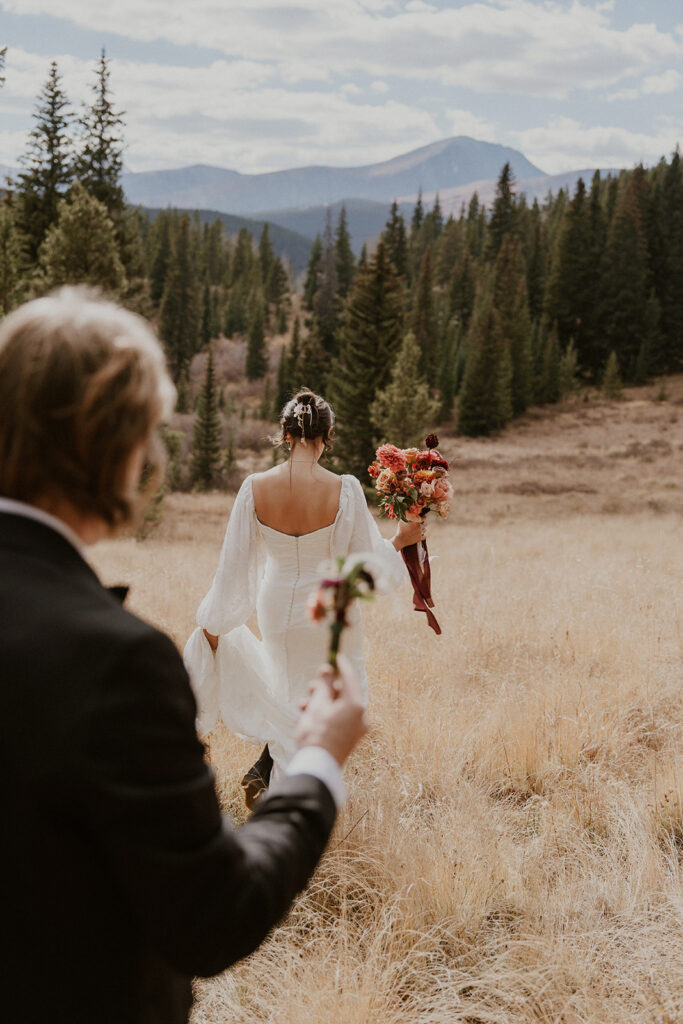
(416, 558)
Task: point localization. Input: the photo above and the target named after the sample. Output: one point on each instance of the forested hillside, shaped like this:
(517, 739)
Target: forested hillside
(465, 321)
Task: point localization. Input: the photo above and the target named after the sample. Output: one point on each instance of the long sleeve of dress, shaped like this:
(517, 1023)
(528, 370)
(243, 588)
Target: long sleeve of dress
(364, 538)
(232, 596)
(227, 605)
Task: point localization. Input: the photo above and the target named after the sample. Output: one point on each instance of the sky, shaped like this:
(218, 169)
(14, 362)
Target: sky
(265, 85)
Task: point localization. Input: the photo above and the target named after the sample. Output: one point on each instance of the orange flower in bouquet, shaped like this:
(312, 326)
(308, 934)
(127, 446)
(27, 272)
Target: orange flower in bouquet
(410, 483)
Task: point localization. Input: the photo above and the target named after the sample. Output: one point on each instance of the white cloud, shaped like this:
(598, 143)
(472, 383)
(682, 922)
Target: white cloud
(464, 122)
(669, 81)
(547, 49)
(380, 87)
(564, 143)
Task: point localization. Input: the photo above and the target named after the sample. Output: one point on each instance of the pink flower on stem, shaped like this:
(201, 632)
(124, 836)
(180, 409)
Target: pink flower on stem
(392, 458)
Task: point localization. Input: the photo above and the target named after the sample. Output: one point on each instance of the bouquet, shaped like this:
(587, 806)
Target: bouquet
(411, 483)
(351, 580)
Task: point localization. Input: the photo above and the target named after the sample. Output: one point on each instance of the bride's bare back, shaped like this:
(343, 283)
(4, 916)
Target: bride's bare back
(296, 498)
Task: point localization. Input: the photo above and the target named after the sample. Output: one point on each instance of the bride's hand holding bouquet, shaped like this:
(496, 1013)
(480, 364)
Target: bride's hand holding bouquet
(410, 483)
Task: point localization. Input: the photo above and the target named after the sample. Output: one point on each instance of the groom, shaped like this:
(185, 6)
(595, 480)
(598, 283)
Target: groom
(120, 879)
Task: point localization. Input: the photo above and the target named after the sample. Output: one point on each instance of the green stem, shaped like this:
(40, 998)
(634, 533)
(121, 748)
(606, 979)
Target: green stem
(336, 631)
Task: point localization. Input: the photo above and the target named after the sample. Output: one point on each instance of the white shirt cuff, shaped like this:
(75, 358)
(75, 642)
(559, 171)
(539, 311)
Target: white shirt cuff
(319, 762)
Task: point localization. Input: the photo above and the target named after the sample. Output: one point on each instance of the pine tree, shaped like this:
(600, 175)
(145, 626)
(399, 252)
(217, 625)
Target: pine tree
(276, 284)
(266, 253)
(100, 161)
(130, 227)
(503, 215)
(205, 330)
(369, 341)
(3, 54)
(180, 311)
(257, 352)
(81, 247)
(161, 245)
(418, 217)
(327, 305)
(512, 305)
(312, 282)
(363, 258)
(536, 268)
(572, 296)
(569, 364)
(452, 366)
(424, 323)
(462, 291)
(294, 352)
(437, 217)
(668, 284)
(48, 163)
(312, 366)
(10, 260)
(611, 381)
(624, 282)
(282, 388)
(396, 241)
(206, 435)
(403, 411)
(485, 404)
(345, 262)
(550, 389)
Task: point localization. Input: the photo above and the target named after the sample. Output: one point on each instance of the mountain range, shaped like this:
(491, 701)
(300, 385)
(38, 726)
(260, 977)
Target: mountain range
(446, 164)
(299, 200)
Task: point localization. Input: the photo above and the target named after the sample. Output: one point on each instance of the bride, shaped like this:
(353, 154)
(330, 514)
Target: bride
(285, 523)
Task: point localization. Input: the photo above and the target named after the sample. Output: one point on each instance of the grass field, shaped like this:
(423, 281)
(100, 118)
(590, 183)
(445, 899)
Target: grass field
(512, 847)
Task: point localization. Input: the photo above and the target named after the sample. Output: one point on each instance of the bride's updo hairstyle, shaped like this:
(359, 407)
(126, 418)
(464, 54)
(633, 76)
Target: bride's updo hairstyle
(306, 417)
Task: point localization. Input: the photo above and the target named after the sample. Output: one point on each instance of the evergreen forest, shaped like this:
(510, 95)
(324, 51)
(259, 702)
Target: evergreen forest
(464, 321)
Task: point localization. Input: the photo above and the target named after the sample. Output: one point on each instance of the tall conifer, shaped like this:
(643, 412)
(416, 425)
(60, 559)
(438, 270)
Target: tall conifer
(369, 341)
(180, 311)
(257, 352)
(206, 436)
(503, 214)
(48, 162)
(485, 402)
(345, 262)
(403, 411)
(512, 305)
(424, 323)
(100, 161)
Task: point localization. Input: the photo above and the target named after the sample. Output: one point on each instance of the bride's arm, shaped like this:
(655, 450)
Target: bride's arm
(232, 596)
(366, 539)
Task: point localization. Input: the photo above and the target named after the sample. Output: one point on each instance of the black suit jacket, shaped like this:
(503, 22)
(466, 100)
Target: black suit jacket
(119, 879)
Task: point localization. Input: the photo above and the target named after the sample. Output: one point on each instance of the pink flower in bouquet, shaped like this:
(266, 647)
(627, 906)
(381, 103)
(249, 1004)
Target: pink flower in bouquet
(414, 513)
(442, 489)
(411, 454)
(392, 457)
(390, 513)
(374, 469)
(427, 490)
(386, 481)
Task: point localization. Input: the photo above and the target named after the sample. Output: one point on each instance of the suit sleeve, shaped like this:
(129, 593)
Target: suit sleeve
(207, 894)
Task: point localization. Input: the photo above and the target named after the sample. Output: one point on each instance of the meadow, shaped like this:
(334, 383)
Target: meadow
(512, 846)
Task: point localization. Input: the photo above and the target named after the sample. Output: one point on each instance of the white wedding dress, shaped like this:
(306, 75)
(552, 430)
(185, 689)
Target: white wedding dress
(255, 685)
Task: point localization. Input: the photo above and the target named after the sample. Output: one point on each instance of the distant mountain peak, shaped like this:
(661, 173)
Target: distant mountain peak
(446, 164)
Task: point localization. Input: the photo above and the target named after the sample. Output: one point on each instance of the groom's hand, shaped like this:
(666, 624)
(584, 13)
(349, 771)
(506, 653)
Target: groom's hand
(334, 716)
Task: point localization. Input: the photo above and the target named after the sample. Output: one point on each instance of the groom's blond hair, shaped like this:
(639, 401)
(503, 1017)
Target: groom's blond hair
(83, 383)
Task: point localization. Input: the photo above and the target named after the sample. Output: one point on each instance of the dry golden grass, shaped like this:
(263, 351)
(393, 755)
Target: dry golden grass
(512, 847)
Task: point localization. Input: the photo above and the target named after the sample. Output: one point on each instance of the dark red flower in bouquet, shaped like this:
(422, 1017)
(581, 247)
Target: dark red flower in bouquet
(432, 441)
